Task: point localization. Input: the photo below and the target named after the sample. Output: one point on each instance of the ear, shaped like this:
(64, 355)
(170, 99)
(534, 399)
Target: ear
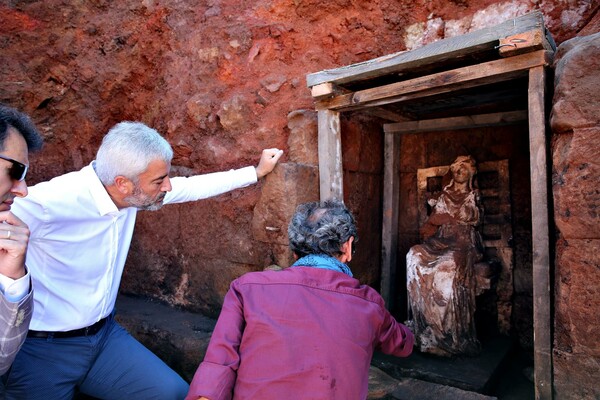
(124, 185)
(346, 250)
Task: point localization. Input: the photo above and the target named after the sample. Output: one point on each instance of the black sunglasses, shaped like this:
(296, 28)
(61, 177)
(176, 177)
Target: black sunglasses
(17, 170)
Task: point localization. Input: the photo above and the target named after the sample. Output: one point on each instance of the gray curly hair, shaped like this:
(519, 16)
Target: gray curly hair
(321, 228)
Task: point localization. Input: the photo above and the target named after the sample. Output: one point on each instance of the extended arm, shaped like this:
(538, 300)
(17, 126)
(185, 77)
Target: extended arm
(215, 377)
(395, 338)
(208, 185)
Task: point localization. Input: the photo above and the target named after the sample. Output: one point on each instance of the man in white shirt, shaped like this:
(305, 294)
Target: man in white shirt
(18, 136)
(82, 223)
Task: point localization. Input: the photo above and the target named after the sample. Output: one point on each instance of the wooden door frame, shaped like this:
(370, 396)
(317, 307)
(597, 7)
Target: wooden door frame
(531, 65)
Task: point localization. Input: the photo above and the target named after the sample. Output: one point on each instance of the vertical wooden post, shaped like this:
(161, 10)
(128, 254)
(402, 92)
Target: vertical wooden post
(542, 327)
(389, 235)
(331, 176)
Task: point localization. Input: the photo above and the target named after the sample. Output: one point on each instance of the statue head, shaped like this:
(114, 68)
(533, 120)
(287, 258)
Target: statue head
(463, 169)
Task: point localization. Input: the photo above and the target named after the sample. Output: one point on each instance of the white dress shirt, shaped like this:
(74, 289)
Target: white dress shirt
(14, 290)
(80, 239)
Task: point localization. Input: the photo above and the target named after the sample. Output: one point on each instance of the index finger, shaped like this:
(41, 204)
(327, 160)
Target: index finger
(8, 217)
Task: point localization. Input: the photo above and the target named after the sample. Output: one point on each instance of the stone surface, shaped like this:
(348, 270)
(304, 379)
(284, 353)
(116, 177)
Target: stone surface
(474, 374)
(179, 338)
(576, 345)
(410, 389)
(289, 185)
(303, 138)
(577, 84)
(576, 173)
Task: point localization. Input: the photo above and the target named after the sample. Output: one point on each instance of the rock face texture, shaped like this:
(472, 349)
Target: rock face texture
(223, 79)
(576, 173)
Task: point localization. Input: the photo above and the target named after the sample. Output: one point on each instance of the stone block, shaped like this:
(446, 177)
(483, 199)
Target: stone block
(578, 298)
(287, 186)
(576, 84)
(576, 173)
(303, 139)
(179, 338)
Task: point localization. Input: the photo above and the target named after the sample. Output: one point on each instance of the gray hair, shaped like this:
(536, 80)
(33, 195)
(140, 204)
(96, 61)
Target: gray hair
(321, 228)
(127, 149)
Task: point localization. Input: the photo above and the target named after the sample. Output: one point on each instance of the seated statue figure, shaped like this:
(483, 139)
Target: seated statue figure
(440, 275)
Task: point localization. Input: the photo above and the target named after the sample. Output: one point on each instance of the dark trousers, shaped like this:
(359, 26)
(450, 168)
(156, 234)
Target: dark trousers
(108, 365)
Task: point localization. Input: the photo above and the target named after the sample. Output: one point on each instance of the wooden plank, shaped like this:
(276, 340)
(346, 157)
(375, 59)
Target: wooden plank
(542, 327)
(389, 234)
(436, 52)
(443, 82)
(382, 113)
(322, 90)
(330, 155)
(522, 43)
(462, 122)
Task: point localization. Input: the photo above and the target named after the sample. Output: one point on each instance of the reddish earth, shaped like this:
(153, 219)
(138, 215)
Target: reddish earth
(222, 79)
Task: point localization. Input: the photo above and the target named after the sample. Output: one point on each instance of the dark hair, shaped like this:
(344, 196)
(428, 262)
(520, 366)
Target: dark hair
(9, 117)
(321, 228)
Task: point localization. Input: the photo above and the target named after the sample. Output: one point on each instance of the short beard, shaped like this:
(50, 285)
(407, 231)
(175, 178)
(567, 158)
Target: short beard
(141, 201)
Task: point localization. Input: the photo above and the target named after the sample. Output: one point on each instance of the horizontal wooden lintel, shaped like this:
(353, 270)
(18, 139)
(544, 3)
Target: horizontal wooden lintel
(462, 122)
(442, 82)
(433, 53)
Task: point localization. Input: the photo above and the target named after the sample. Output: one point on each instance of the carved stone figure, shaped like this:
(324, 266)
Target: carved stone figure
(440, 272)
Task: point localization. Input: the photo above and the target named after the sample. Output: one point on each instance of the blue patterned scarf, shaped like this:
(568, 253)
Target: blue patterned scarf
(323, 261)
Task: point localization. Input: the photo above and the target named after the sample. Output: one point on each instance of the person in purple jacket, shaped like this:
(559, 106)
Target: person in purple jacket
(308, 331)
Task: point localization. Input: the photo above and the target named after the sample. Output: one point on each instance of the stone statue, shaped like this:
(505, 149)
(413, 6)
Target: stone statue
(440, 271)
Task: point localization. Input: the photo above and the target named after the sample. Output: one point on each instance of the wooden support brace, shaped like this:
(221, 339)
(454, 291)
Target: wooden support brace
(322, 90)
(523, 43)
(461, 122)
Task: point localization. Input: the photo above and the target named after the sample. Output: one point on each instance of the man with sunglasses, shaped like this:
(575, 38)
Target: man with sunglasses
(18, 136)
(82, 224)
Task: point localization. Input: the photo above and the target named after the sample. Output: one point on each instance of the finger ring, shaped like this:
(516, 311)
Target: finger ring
(7, 234)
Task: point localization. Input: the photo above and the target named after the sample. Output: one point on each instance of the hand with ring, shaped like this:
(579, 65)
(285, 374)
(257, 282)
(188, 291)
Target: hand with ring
(14, 237)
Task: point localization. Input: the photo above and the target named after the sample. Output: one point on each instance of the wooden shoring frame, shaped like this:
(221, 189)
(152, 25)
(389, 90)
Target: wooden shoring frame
(331, 171)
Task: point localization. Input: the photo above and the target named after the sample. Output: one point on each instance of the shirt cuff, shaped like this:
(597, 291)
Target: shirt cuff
(14, 289)
(248, 175)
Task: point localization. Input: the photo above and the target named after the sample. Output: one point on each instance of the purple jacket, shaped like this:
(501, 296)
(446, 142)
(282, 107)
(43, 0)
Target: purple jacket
(298, 333)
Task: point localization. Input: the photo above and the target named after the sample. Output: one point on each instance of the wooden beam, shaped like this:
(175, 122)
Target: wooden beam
(389, 235)
(436, 52)
(462, 122)
(322, 90)
(442, 82)
(524, 43)
(330, 155)
(388, 115)
(542, 326)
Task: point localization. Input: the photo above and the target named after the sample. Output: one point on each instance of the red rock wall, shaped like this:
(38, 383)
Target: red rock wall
(576, 187)
(223, 79)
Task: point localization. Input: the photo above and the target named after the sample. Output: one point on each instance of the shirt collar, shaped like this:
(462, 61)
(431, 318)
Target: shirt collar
(103, 201)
